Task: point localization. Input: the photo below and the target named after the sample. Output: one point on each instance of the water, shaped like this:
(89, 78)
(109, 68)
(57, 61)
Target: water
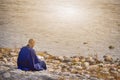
(62, 27)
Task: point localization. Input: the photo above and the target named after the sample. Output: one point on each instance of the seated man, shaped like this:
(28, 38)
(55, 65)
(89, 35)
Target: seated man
(27, 59)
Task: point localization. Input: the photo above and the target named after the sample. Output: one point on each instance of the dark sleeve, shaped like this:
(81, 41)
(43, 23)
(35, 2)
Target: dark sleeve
(34, 62)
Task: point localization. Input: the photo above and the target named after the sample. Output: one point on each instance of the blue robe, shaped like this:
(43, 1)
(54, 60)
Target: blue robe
(27, 60)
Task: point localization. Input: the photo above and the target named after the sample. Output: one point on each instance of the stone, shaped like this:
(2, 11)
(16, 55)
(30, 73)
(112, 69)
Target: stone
(17, 71)
(1, 62)
(90, 60)
(86, 65)
(51, 70)
(10, 63)
(74, 71)
(78, 67)
(7, 75)
(56, 62)
(114, 72)
(111, 78)
(1, 55)
(113, 69)
(87, 75)
(13, 54)
(101, 65)
(67, 59)
(66, 73)
(61, 58)
(3, 68)
(105, 73)
(5, 60)
(105, 70)
(93, 67)
(93, 78)
(111, 47)
(76, 59)
(82, 59)
(119, 70)
(108, 58)
(31, 77)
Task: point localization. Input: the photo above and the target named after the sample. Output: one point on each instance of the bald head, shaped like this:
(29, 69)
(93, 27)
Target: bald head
(31, 43)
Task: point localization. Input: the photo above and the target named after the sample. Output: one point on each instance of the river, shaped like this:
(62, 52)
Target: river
(62, 27)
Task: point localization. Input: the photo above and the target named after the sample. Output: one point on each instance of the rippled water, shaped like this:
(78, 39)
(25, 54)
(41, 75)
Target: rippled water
(62, 27)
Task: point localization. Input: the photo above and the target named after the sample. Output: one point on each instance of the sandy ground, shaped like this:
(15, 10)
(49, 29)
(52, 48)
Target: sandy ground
(62, 27)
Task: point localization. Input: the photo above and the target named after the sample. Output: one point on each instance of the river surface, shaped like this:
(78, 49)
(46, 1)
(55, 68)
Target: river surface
(62, 27)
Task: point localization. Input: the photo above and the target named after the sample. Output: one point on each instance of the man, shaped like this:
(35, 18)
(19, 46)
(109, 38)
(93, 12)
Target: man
(27, 59)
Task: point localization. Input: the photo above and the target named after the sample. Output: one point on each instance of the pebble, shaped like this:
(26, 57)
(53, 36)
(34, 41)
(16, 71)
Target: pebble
(3, 68)
(61, 58)
(108, 58)
(6, 75)
(93, 78)
(86, 65)
(5, 60)
(119, 70)
(13, 54)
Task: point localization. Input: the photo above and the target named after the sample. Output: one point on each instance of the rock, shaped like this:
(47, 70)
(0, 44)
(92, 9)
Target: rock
(74, 70)
(86, 65)
(119, 70)
(76, 59)
(56, 62)
(87, 75)
(114, 72)
(78, 67)
(113, 69)
(10, 63)
(67, 59)
(93, 68)
(51, 70)
(101, 65)
(85, 42)
(110, 78)
(1, 62)
(31, 77)
(93, 78)
(17, 71)
(66, 73)
(90, 60)
(3, 68)
(1, 55)
(82, 59)
(61, 58)
(111, 47)
(13, 54)
(5, 60)
(105, 70)
(7, 75)
(108, 58)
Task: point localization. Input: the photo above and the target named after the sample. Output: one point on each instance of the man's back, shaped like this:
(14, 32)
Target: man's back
(27, 60)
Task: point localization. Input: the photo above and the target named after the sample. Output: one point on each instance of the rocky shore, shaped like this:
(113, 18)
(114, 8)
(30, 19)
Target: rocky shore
(61, 67)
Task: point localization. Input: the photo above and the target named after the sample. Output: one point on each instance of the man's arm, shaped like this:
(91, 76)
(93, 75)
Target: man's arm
(34, 62)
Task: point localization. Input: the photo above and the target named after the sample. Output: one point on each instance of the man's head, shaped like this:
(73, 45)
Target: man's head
(31, 43)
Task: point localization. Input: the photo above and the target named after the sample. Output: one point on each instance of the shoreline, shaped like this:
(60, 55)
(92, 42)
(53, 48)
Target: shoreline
(61, 67)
